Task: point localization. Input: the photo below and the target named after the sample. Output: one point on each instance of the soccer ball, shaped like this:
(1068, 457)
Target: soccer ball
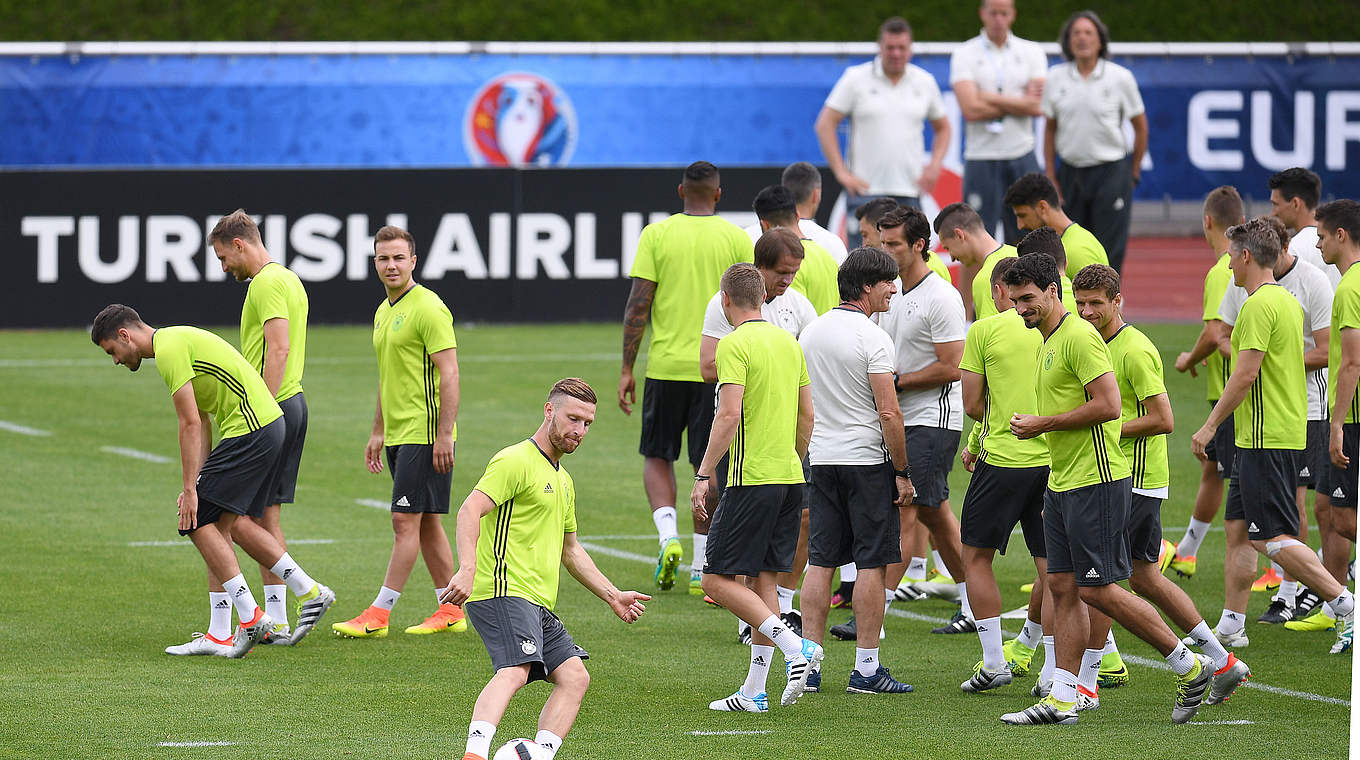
(521, 749)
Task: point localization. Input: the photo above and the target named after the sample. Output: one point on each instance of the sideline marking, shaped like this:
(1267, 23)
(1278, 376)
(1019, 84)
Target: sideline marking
(135, 454)
(733, 732)
(386, 506)
(182, 542)
(1222, 723)
(196, 744)
(22, 429)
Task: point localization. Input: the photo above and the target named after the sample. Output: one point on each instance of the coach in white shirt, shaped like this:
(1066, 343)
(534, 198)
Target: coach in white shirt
(888, 101)
(1294, 196)
(1087, 100)
(858, 454)
(998, 79)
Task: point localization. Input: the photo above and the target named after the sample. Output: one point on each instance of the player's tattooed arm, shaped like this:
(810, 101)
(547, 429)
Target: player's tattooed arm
(635, 316)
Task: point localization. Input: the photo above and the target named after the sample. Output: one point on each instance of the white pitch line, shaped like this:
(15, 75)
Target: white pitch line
(383, 505)
(182, 542)
(633, 537)
(135, 454)
(22, 429)
(196, 744)
(1222, 723)
(733, 732)
(612, 552)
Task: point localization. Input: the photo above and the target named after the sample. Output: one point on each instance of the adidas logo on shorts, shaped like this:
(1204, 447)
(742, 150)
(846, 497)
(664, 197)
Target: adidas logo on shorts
(1253, 528)
(1338, 494)
(1092, 574)
(403, 502)
(1304, 473)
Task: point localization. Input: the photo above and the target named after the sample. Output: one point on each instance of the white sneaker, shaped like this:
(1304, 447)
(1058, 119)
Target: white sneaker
(200, 644)
(739, 702)
(280, 636)
(1236, 640)
(799, 668)
(248, 636)
(939, 590)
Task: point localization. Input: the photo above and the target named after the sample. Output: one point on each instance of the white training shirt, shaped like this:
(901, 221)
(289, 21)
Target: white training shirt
(842, 348)
(1091, 111)
(1304, 246)
(791, 311)
(1309, 285)
(825, 238)
(887, 144)
(1008, 70)
(930, 312)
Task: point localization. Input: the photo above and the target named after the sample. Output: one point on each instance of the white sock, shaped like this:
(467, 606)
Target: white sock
(219, 615)
(1343, 605)
(1276, 567)
(785, 599)
(665, 524)
(1327, 608)
(761, 657)
(1050, 660)
(849, 572)
(291, 572)
(386, 599)
(276, 603)
(939, 565)
(549, 741)
(1110, 647)
(700, 551)
(1064, 686)
(479, 738)
(989, 633)
(1205, 640)
(916, 569)
(241, 597)
(1031, 634)
(1319, 554)
(788, 642)
(888, 596)
(1181, 660)
(1194, 536)
(963, 600)
(1231, 622)
(1288, 590)
(866, 661)
(1090, 669)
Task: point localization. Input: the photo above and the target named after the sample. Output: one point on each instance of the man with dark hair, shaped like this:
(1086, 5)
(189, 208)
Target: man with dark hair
(998, 79)
(969, 240)
(868, 216)
(516, 530)
(1045, 240)
(1145, 420)
(1294, 194)
(1087, 503)
(1271, 413)
(859, 460)
(208, 378)
(1034, 199)
(775, 207)
(676, 270)
(415, 429)
(888, 101)
(805, 182)
(1222, 209)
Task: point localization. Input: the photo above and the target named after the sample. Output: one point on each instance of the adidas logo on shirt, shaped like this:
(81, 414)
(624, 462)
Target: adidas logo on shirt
(1253, 528)
(1092, 574)
(1338, 494)
(547, 488)
(403, 502)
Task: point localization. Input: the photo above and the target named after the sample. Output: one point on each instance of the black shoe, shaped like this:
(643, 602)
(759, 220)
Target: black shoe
(1305, 602)
(960, 623)
(744, 638)
(793, 620)
(846, 631)
(1278, 612)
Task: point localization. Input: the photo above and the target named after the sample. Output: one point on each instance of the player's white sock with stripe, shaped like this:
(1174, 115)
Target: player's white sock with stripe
(276, 603)
(219, 618)
(916, 569)
(479, 738)
(1343, 605)
(788, 642)
(785, 599)
(1231, 622)
(849, 572)
(1090, 669)
(1050, 661)
(1181, 659)
(1327, 608)
(1205, 640)
(989, 633)
(1031, 634)
(700, 551)
(888, 596)
(761, 657)
(549, 741)
(1194, 536)
(241, 597)
(1064, 686)
(963, 600)
(386, 599)
(939, 564)
(299, 582)
(866, 661)
(1110, 647)
(664, 518)
(1288, 590)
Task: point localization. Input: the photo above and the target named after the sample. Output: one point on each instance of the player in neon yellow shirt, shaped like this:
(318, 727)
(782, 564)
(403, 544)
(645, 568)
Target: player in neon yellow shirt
(676, 271)
(970, 243)
(1034, 199)
(516, 530)
(1046, 240)
(415, 426)
(208, 378)
(274, 341)
(1270, 408)
(1087, 504)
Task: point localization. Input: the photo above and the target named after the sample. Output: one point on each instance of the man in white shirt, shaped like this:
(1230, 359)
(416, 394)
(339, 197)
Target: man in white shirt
(859, 461)
(927, 325)
(998, 79)
(805, 182)
(1294, 196)
(888, 100)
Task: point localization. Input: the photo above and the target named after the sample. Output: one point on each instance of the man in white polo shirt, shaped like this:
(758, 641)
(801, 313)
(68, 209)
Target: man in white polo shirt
(888, 101)
(998, 79)
(1294, 196)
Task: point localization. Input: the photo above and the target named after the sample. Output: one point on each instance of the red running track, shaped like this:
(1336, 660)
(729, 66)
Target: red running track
(1164, 279)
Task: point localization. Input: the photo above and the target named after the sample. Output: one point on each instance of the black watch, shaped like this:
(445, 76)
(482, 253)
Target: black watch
(905, 472)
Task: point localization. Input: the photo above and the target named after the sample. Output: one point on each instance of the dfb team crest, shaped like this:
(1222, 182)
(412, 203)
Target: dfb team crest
(520, 119)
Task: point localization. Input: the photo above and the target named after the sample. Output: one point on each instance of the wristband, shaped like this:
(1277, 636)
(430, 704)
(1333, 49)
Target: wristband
(700, 478)
(905, 472)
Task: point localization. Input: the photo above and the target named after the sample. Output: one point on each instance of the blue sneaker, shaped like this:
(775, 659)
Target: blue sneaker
(814, 683)
(667, 562)
(739, 702)
(799, 668)
(881, 682)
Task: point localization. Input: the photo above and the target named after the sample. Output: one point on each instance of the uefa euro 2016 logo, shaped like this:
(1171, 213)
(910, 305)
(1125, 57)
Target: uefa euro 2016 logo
(520, 119)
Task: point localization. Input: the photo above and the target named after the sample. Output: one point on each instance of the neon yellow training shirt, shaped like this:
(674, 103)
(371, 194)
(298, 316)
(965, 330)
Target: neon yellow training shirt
(225, 385)
(276, 292)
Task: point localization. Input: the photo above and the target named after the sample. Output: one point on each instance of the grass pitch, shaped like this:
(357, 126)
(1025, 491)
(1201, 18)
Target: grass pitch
(97, 583)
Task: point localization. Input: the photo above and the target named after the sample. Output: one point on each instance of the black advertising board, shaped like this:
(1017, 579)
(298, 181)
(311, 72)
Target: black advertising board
(499, 245)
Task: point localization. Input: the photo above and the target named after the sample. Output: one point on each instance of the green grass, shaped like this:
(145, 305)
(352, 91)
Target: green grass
(85, 614)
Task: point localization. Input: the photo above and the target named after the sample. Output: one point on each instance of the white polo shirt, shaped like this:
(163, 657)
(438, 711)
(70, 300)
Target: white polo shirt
(1304, 246)
(814, 232)
(887, 143)
(1006, 69)
(928, 313)
(791, 311)
(842, 348)
(1091, 111)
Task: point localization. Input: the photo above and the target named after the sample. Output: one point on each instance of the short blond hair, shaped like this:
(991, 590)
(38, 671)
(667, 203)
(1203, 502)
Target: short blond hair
(574, 387)
(392, 232)
(237, 224)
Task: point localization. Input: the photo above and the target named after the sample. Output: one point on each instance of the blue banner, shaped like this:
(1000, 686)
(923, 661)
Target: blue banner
(1220, 120)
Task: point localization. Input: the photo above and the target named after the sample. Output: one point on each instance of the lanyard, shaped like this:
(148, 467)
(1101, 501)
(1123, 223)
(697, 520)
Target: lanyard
(998, 63)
